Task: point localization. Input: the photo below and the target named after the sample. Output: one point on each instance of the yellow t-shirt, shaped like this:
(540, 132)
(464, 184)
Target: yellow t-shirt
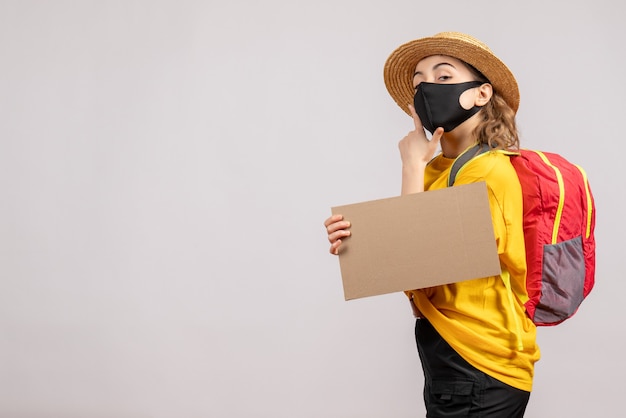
(482, 319)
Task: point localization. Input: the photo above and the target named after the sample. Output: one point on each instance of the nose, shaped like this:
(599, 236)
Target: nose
(426, 79)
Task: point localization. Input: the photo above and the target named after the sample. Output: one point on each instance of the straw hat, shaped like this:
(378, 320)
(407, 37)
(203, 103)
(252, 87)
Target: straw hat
(400, 65)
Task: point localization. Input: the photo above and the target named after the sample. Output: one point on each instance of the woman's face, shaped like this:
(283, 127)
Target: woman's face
(443, 69)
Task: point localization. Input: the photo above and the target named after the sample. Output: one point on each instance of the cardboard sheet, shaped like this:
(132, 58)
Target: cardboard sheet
(418, 240)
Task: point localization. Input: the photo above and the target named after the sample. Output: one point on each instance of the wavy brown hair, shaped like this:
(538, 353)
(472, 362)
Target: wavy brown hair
(497, 127)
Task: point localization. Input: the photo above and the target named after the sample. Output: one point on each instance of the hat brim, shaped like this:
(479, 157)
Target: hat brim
(400, 66)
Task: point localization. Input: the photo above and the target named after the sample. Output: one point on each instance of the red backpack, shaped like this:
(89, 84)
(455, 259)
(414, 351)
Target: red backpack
(559, 222)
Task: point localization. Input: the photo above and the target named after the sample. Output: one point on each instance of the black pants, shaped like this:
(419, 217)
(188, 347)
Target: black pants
(454, 388)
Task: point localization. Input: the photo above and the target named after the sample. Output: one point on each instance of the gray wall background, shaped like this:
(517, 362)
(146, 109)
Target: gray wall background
(165, 169)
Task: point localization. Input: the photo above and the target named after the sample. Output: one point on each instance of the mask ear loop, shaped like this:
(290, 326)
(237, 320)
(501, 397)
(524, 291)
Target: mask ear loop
(482, 83)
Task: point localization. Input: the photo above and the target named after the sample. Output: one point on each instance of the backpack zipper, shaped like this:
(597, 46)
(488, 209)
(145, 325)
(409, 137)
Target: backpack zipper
(589, 202)
(559, 210)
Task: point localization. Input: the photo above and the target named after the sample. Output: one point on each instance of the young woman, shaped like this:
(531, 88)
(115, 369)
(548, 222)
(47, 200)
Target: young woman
(476, 343)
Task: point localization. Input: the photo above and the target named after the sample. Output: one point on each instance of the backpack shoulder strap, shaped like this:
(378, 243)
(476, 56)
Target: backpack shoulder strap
(462, 159)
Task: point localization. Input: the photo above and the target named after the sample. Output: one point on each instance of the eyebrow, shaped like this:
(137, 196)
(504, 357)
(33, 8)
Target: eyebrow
(435, 67)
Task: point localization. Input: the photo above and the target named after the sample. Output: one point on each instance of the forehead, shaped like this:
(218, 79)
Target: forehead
(428, 63)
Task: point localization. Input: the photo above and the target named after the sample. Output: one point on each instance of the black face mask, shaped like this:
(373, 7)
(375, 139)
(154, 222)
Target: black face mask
(438, 105)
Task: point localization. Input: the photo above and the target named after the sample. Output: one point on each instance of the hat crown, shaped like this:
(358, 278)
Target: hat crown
(463, 37)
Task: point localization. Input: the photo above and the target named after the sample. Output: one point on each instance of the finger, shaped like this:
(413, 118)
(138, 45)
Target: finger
(333, 219)
(416, 119)
(336, 226)
(436, 138)
(337, 235)
(334, 247)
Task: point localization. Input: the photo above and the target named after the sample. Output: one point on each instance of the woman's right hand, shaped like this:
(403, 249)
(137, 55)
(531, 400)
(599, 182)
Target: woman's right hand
(336, 228)
(415, 148)
(416, 151)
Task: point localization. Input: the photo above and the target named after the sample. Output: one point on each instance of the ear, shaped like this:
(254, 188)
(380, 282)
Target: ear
(483, 94)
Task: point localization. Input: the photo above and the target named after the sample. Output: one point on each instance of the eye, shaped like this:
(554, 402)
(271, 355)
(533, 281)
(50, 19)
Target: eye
(444, 77)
